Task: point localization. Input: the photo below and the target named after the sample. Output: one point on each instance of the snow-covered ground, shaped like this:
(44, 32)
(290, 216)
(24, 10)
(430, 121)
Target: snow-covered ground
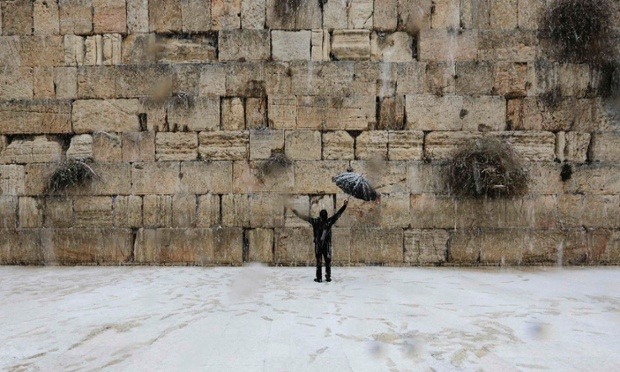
(278, 319)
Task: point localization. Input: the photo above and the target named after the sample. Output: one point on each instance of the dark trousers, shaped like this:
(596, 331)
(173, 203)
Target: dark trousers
(328, 264)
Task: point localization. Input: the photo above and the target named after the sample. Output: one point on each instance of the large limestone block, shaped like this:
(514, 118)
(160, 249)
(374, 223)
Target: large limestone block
(293, 246)
(605, 147)
(293, 14)
(604, 246)
(128, 211)
(532, 211)
(573, 146)
(224, 145)
(41, 51)
(424, 177)
(17, 18)
(391, 113)
(136, 146)
(196, 15)
(253, 14)
(484, 113)
(190, 246)
(395, 210)
(125, 81)
(9, 51)
(513, 79)
(411, 77)
(359, 214)
(244, 45)
(31, 117)
(213, 80)
(87, 246)
(360, 14)
(426, 247)
(303, 144)
(317, 78)
(8, 211)
(225, 14)
(137, 16)
(263, 142)
(504, 14)
(81, 147)
(155, 178)
(312, 177)
(507, 46)
(109, 16)
(184, 210)
(65, 82)
(256, 113)
(385, 15)
(43, 83)
(590, 211)
(16, 82)
(260, 245)
(252, 177)
(394, 47)
(191, 49)
(20, 247)
(415, 15)
(208, 211)
(266, 210)
(474, 78)
(93, 211)
(282, 112)
(233, 114)
(290, 45)
(442, 145)
(195, 114)
(76, 17)
(351, 45)
(529, 13)
(116, 115)
(447, 45)
(372, 145)
(214, 177)
(531, 146)
(165, 16)
(321, 45)
(30, 212)
(112, 179)
(58, 212)
(446, 14)
(236, 210)
(373, 246)
(405, 145)
(175, 146)
(157, 210)
(333, 113)
(37, 150)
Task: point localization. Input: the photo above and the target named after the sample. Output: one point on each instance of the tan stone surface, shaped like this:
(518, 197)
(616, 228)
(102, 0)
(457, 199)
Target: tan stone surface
(106, 115)
(38, 150)
(31, 117)
(223, 145)
(426, 247)
(175, 146)
(351, 45)
(244, 45)
(303, 144)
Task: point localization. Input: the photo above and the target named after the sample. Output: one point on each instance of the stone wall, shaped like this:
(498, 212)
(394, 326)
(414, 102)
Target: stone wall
(179, 103)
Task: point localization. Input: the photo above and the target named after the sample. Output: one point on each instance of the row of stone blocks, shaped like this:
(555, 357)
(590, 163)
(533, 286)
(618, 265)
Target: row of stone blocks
(267, 210)
(293, 246)
(133, 16)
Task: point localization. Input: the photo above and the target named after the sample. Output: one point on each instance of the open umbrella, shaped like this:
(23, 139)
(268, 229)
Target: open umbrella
(355, 185)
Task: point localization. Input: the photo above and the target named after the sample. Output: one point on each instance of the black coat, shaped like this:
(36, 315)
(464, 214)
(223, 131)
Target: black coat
(322, 231)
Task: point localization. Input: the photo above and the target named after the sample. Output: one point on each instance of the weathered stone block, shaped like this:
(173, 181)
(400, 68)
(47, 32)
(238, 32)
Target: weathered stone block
(441, 145)
(263, 142)
(529, 13)
(233, 114)
(316, 177)
(17, 83)
(509, 46)
(572, 146)
(260, 245)
(128, 211)
(138, 16)
(224, 145)
(208, 211)
(157, 210)
(395, 210)
(17, 18)
(395, 47)
(87, 246)
(186, 49)
(574, 79)
(8, 211)
(58, 212)
(184, 210)
(81, 147)
(446, 14)
(351, 45)
(43, 83)
(138, 146)
(371, 246)
(65, 82)
(387, 176)
(299, 15)
(266, 210)
(236, 210)
(282, 112)
(513, 79)
(290, 45)
(426, 247)
(37, 150)
(391, 113)
(30, 117)
(415, 15)
(41, 51)
(504, 14)
(423, 178)
(253, 14)
(605, 147)
(155, 178)
(213, 80)
(200, 113)
(321, 45)
(531, 146)
(20, 247)
(411, 77)
(196, 15)
(256, 113)
(447, 45)
(474, 78)
(405, 145)
(225, 14)
(360, 14)
(303, 145)
(175, 146)
(165, 16)
(332, 113)
(430, 112)
(115, 115)
(293, 246)
(93, 211)
(30, 212)
(244, 45)
(214, 177)
(256, 177)
(317, 78)
(372, 145)
(385, 15)
(106, 147)
(109, 16)
(76, 17)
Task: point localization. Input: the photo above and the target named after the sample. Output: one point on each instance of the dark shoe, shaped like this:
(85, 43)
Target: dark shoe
(318, 280)
(328, 279)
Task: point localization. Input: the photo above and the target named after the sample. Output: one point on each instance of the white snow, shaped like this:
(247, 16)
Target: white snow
(278, 319)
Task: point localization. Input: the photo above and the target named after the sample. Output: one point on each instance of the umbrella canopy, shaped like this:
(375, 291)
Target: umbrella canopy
(355, 185)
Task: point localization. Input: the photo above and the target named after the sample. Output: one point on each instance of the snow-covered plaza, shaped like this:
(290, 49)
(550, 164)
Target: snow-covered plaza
(277, 319)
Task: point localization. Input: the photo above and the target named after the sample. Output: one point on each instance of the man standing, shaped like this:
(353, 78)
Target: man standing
(322, 229)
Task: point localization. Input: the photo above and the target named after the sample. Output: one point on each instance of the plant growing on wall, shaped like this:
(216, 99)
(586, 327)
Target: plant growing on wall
(579, 29)
(275, 164)
(69, 174)
(486, 168)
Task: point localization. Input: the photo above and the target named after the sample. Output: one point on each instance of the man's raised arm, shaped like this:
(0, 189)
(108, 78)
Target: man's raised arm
(339, 213)
(302, 216)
